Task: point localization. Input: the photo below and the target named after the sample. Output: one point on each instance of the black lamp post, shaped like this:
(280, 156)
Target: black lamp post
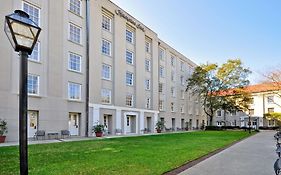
(23, 34)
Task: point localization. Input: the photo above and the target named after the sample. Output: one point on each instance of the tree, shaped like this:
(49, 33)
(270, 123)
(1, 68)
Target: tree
(274, 116)
(213, 83)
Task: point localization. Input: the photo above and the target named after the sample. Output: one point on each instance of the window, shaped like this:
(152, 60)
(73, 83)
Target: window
(182, 109)
(172, 107)
(74, 33)
(129, 57)
(182, 66)
(106, 47)
(172, 60)
(160, 87)
(251, 100)
(270, 110)
(75, 6)
(129, 100)
(106, 72)
(129, 36)
(161, 71)
(182, 80)
(233, 113)
(161, 105)
(161, 54)
(173, 76)
(147, 103)
(219, 113)
(33, 12)
(106, 23)
(129, 78)
(219, 123)
(147, 84)
(33, 84)
(251, 112)
(147, 65)
(270, 99)
(74, 62)
(147, 47)
(35, 56)
(173, 92)
(182, 94)
(74, 91)
(106, 96)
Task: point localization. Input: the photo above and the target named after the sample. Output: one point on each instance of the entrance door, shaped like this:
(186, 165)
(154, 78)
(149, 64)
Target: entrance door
(173, 124)
(32, 123)
(107, 121)
(73, 123)
(130, 124)
(182, 123)
(149, 124)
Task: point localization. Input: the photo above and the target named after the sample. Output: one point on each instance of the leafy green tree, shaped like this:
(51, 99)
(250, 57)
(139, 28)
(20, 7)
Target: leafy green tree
(215, 85)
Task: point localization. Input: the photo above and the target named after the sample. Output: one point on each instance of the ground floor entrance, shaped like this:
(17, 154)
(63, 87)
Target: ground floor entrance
(130, 126)
(74, 124)
(32, 122)
(108, 123)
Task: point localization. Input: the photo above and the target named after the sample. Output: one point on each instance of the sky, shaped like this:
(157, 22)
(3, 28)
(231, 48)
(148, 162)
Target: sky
(216, 30)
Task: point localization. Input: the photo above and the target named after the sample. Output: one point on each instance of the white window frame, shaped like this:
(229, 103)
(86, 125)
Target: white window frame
(182, 80)
(104, 16)
(173, 78)
(80, 91)
(182, 66)
(160, 87)
(80, 33)
(269, 100)
(147, 84)
(131, 39)
(132, 78)
(161, 54)
(110, 47)
(148, 103)
(132, 100)
(132, 54)
(80, 8)
(172, 106)
(105, 93)
(161, 105)
(80, 62)
(30, 57)
(38, 85)
(147, 47)
(182, 109)
(161, 72)
(102, 71)
(147, 65)
(173, 92)
(173, 59)
(31, 15)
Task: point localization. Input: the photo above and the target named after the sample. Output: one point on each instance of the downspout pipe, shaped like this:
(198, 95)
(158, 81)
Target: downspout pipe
(87, 66)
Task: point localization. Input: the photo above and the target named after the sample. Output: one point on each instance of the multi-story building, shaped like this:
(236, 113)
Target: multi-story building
(265, 98)
(132, 73)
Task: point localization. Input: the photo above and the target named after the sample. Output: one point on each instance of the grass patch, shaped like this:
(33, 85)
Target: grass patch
(146, 155)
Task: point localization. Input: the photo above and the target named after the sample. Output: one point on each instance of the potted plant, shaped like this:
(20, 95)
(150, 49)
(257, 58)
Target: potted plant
(159, 126)
(98, 129)
(3, 130)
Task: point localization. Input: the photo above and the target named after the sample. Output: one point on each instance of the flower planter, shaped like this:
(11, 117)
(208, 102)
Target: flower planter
(2, 139)
(98, 134)
(158, 130)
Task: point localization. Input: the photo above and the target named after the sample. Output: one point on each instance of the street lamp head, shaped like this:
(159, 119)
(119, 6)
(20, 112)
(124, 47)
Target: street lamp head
(21, 31)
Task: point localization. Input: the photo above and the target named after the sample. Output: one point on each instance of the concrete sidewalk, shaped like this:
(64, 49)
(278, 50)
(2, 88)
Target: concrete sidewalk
(253, 156)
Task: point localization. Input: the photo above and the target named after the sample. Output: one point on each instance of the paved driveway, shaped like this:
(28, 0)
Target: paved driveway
(253, 156)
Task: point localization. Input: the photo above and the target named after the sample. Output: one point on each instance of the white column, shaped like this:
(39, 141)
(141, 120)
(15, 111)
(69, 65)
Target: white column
(96, 115)
(155, 120)
(118, 119)
(141, 122)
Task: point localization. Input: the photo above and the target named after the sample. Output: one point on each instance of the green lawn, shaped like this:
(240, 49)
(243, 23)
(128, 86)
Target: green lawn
(132, 155)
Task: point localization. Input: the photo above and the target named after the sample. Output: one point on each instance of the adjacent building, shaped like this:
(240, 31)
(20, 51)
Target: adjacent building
(265, 99)
(135, 79)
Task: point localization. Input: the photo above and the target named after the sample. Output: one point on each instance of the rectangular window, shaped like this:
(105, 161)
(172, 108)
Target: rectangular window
(106, 72)
(129, 100)
(173, 92)
(147, 65)
(172, 60)
(161, 105)
(147, 84)
(35, 56)
(172, 107)
(182, 109)
(270, 99)
(106, 96)
(33, 12)
(251, 100)
(147, 47)
(147, 103)
(160, 88)
(106, 47)
(161, 71)
(182, 94)
(129, 78)
(270, 110)
(33, 84)
(161, 54)
(173, 76)
(75, 6)
(74, 62)
(182, 66)
(182, 80)
(219, 113)
(74, 33)
(129, 36)
(74, 91)
(251, 112)
(129, 57)
(106, 23)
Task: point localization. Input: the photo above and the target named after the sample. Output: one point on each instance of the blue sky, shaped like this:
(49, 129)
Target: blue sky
(216, 30)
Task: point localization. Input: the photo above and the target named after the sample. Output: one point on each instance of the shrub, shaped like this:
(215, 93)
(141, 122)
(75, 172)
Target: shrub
(213, 128)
